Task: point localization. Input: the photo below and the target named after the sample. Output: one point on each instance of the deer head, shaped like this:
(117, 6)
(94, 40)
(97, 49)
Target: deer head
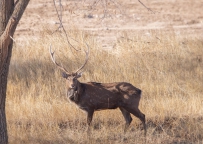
(72, 82)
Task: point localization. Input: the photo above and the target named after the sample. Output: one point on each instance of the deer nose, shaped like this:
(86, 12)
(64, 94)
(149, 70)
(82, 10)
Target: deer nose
(72, 85)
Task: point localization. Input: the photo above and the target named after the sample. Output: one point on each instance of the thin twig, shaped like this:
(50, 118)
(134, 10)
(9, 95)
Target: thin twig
(146, 7)
(117, 5)
(12, 38)
(61, 8)
(61, 25)
(94, 4)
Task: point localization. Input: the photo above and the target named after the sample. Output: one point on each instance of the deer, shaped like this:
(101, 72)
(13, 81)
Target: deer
(95, 96)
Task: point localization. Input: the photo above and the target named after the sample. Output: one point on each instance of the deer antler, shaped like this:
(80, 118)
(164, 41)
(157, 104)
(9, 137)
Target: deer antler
(87, 56)
(54, 61)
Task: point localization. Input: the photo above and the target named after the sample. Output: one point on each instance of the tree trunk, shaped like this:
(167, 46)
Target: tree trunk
(9, 18)
(3, 86)
(6, 10)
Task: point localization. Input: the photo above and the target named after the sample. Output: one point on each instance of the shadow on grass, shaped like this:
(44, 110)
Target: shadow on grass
(184, 129)
(173, 130)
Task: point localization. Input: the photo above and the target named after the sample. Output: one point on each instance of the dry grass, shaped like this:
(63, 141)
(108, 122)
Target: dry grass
(169, 71)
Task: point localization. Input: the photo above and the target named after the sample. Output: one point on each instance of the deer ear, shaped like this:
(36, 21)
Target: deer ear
(64, 75)
(79, 74)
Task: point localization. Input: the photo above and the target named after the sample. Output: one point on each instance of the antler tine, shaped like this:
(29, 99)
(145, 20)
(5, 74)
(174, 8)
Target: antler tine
(54, 61)
(87, 56)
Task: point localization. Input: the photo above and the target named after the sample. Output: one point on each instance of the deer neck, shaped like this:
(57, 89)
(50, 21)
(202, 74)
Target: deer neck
(75, 94)
(78, 87)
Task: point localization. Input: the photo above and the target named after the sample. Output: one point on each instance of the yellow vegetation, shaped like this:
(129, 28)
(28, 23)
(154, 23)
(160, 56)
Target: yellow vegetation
(169, 70)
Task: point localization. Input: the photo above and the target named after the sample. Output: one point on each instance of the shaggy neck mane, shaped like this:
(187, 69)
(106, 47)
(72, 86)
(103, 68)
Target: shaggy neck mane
(78, 92)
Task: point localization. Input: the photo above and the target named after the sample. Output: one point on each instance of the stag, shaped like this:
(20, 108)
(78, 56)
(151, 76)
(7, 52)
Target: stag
(93, 96)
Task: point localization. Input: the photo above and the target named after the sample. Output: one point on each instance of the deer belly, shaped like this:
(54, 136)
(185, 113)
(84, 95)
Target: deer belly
(103, 106)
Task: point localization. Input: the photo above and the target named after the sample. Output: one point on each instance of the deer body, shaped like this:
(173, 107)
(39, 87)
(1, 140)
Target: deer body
(101, 96)
(93, 96)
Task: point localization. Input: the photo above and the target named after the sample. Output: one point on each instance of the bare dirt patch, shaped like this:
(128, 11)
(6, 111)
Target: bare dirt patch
(184, 17)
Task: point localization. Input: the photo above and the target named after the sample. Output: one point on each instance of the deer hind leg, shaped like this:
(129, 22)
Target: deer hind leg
(128, 118)
(136, 112)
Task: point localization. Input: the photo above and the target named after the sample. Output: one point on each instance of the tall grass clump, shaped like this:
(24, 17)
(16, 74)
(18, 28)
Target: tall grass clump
(168, 70)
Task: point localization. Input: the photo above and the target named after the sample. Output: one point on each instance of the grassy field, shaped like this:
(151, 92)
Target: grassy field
(167, 67)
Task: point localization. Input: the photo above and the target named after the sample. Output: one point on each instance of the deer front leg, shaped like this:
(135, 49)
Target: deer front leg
(89, 119)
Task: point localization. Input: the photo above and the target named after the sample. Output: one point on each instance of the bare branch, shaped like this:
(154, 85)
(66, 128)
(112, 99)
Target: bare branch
(61, 24)
(5, 40)
(146, 7)
(117, 5)
(12, 38)
(106, 11)
(94, 4)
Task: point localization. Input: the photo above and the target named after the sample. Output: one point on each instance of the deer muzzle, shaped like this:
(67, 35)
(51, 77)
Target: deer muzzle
(73, 95)
(70, 92)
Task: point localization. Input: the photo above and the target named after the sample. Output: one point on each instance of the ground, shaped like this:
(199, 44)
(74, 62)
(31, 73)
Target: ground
(106, 21)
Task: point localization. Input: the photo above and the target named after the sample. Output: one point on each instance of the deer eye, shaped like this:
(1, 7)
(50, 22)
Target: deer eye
(64, 75)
